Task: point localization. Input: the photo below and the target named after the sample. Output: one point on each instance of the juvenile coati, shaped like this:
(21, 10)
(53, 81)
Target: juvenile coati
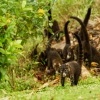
(42, 58)
(72, 69)
(67, 51)
(90, 53)
(54, 60)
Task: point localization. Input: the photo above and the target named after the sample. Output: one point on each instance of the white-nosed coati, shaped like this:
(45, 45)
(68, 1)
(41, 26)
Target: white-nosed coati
(72, 69)
(54, 60)
(67, 51)
(50, 58)
(90, 53)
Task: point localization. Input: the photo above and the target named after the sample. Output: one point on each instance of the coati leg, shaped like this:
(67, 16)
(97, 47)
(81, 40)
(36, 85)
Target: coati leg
(72, 79)
(76, 79)
(62, 80)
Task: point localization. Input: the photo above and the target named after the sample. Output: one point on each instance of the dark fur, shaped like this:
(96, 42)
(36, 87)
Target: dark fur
(42, 59)
(53, 58)
(81, 33)
(72, 69)
(86, 19)
(45, 57)
(86, 45)
(67, 51)
(90, 53)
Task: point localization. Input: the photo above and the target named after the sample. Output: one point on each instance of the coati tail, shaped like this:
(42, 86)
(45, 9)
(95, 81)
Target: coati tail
(80, 49)
(86, 19)
(66, 33)
(83, 28)
(86, 44)
(87, 16)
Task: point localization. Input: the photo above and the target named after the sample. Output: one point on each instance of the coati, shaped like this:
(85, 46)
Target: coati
(46, 58)
(72, 69)
(67, 51)
(90, 53)
(42, 58)
(54, 60)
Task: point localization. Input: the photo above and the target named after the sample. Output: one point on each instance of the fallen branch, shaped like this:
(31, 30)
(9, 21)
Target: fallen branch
(49, 84)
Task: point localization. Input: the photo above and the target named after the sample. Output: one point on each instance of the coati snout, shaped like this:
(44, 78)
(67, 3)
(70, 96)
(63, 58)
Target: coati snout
(65, 70)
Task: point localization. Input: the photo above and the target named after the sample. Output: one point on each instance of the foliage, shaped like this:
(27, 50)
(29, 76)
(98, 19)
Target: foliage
(19, 20)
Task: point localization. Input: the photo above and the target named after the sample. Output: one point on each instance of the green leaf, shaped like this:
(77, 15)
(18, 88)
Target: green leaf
(2, 51)
(23, 3)
(1, 44)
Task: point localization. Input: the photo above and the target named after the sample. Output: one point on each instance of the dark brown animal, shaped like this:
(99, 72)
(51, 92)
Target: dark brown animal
(54, 60)
(72, 69)
(86, 20)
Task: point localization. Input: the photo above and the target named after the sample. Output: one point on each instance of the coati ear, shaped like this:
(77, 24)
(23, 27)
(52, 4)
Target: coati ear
(68, 66)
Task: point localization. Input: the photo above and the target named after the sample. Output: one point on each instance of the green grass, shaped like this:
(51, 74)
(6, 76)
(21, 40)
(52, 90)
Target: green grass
(87, 89)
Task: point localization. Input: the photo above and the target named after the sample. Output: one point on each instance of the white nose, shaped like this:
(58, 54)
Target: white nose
(68, 56)
(57, 72)
(64, 74)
